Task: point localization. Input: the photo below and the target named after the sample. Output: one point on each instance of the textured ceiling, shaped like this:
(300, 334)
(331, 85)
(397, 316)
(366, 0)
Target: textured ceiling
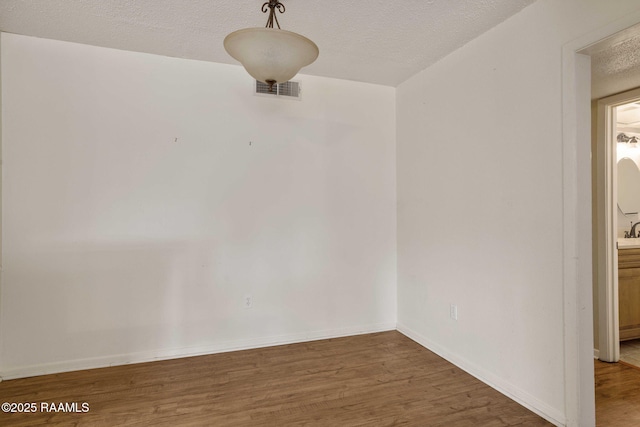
(376, 41)
(615, 63)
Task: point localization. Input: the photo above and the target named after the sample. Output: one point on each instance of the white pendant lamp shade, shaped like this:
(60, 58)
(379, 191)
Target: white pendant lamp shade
(271, 55)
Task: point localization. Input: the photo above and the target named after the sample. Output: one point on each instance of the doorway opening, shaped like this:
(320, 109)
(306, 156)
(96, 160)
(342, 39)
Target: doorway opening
(617, 234)
(580, 88)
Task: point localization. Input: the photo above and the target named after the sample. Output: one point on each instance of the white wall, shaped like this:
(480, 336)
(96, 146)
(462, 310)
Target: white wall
(122, 245)
(480, 202)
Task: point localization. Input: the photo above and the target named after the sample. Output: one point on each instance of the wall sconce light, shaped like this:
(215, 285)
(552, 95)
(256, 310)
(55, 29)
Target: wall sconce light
(628, 139)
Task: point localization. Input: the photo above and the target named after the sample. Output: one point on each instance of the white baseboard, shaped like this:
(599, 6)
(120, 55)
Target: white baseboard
(514, 393)
(175, 353)
(596, 353)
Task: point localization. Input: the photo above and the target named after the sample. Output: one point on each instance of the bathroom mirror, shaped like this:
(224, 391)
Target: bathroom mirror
(628, 186)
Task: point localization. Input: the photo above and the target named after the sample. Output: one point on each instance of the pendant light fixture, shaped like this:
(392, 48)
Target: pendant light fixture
(268, 54)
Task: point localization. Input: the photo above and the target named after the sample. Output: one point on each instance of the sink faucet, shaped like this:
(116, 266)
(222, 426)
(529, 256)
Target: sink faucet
(632, 233)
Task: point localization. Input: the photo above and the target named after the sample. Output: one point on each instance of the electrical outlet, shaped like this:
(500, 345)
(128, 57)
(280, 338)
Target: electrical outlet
(453, 311)
(247, 301)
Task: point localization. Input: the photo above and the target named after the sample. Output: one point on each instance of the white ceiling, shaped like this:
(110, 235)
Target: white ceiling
(628, 118)
(376, 41)
(615, 63)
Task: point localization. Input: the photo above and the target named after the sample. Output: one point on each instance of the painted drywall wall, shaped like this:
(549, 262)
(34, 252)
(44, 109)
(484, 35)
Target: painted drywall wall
(145, 198)
(480, 202)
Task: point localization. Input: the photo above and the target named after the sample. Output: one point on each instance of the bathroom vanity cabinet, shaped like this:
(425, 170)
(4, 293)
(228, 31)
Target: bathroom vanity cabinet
(629, 293)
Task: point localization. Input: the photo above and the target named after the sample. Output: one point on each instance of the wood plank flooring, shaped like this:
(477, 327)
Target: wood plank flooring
(378, 379)
(617, 395)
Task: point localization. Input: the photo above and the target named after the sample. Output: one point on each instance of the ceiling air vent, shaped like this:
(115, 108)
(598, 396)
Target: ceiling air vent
(290, 89)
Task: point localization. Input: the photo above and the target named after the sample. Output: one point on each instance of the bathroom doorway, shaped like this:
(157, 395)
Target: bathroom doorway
(618, 213)
(627, 141)
(587, 77)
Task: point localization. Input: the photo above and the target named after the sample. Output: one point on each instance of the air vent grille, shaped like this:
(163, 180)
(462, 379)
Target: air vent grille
(290, 89)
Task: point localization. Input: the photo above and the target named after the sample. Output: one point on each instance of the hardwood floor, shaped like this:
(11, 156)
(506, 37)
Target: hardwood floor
(368, 380)
(617, 395)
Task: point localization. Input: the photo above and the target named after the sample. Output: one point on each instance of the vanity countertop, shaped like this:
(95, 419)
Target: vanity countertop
(628, 243)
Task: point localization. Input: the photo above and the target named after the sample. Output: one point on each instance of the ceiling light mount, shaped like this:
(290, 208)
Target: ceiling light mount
(271, 6)
(271, 55)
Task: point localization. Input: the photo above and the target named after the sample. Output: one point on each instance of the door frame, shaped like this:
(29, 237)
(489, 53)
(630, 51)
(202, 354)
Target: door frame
(607, 207)
(579, 390)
